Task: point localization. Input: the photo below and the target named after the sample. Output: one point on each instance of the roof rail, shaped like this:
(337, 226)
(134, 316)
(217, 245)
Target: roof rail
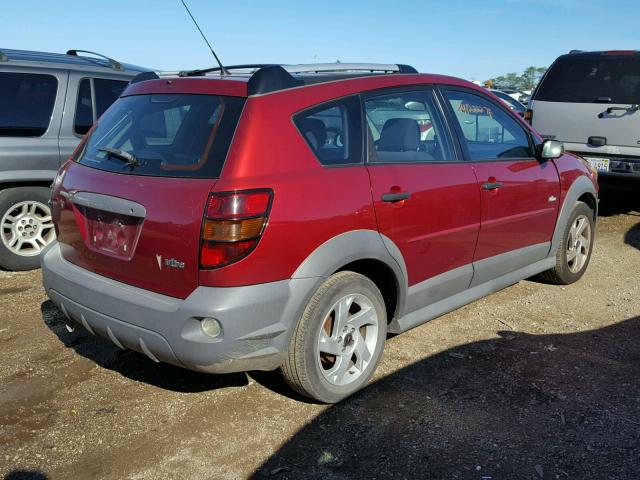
(113, 63)
(267, 78)
(3, 57)
(349, 67)
(576, 51)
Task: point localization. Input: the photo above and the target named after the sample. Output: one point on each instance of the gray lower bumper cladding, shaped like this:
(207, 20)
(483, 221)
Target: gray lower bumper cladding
(257, 320)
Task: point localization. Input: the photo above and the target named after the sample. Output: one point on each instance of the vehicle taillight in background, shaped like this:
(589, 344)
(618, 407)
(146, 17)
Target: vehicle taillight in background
(233, 224)
(528, 116)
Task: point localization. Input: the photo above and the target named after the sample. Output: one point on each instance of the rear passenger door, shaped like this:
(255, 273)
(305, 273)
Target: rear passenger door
(87, 99)
(425, 198)
(519, 193)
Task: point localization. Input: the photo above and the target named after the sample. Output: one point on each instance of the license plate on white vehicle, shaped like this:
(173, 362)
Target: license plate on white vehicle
(600, 164)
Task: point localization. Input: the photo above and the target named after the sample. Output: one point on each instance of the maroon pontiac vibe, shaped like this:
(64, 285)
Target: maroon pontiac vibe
(291, 216)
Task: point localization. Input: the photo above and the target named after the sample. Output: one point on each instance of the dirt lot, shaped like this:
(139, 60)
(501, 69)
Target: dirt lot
(536, 381)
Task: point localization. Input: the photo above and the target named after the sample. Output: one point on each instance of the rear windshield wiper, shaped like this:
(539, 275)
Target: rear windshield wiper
(126, 157)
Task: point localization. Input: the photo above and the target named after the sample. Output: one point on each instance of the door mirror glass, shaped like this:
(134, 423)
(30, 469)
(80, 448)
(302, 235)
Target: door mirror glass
(551, 149)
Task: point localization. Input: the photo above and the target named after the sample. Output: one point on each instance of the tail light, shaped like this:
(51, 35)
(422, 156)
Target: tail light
(528, 116)
(232, 226)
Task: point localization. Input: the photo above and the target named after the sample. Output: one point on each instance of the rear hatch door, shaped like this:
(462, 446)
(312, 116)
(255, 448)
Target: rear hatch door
(591, 95)
(131, 206)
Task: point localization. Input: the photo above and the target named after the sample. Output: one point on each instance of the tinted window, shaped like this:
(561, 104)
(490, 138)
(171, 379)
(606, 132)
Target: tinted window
(406, 127)
(84, 110)
(170, 135)
(107, 91)
(584, 79)
(26, 103)
(333, 132)
(488, 130)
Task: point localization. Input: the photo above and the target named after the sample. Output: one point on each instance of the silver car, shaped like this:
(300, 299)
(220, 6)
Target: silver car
(590, 101)
(48, 101)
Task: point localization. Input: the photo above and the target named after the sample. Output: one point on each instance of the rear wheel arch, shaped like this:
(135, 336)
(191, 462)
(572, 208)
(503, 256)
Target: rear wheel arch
(368, 253)
(383, 277)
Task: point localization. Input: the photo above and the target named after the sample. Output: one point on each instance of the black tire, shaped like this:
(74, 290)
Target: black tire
(562, 273)
(302, 369)
(9, 198)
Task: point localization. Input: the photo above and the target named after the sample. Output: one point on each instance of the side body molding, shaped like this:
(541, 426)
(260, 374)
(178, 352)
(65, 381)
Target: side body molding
(579, 187)
(352, 246)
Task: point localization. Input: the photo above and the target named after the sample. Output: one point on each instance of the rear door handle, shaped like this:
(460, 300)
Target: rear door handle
(491, 185)
(395, 197)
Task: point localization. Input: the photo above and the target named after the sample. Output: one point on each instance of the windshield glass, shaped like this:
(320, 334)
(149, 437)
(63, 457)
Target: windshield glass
(168, 135)
(586, 79)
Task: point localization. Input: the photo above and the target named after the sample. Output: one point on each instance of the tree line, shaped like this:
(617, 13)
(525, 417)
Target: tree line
(527, 80)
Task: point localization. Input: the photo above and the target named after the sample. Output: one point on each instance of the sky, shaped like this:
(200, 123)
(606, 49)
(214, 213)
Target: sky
(469, 39)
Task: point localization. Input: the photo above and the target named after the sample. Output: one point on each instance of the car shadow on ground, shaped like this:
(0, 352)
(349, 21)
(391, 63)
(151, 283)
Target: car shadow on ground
(618, 199)
(25, 475)
(518, 406)
(132, 364)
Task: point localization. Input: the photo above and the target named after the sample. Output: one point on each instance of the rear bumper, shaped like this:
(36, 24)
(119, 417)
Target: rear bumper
(257, 320)
(619, 166)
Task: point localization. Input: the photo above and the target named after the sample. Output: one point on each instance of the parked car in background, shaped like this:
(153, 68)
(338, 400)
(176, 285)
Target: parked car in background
(48, 101)
(591, 102)
(293, 216)
(509, 101)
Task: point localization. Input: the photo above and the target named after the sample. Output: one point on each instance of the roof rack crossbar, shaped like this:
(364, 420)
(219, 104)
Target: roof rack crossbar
(342, 67)
(113, 63)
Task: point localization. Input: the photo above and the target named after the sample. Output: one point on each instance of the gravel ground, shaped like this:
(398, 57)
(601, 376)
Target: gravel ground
(534, 382)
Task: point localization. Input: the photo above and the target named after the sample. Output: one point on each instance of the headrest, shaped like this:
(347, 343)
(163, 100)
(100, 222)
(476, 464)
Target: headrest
(399, 135)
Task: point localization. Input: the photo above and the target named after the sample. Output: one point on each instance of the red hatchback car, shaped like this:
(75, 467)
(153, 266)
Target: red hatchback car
(291, 216)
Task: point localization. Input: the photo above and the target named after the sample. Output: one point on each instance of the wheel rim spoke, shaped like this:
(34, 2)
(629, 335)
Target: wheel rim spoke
(366, 316)
(328, 344)
(341, 314)
(363, 355)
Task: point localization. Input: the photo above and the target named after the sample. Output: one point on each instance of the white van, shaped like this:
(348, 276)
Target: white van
(590, 101)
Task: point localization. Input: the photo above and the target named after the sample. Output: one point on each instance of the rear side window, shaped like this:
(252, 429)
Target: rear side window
(167, 135)
(406, 127)
(333, 131)
(489, 132)
(105, 92)
(26, 103)
(592, 79)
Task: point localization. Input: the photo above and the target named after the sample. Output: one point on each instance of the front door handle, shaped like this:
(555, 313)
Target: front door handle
(491, 185)
(395, 197)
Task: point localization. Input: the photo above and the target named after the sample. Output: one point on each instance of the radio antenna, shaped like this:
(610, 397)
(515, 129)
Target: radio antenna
(223, 71)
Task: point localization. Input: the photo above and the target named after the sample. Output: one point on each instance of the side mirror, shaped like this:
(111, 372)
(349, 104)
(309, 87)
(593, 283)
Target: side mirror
(551, 149)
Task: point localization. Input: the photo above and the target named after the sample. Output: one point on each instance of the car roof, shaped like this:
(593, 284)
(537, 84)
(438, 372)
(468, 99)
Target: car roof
(72, 60)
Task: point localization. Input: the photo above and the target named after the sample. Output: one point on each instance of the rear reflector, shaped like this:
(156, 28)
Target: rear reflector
(528, 116)
(232, 226)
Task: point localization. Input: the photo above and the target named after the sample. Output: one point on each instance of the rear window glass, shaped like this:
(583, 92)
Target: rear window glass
(164, 135)
(579, 79)
(26, 103)
(333, 132)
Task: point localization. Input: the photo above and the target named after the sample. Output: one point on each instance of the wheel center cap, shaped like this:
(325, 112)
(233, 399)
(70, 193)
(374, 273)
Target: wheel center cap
(348, 340)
